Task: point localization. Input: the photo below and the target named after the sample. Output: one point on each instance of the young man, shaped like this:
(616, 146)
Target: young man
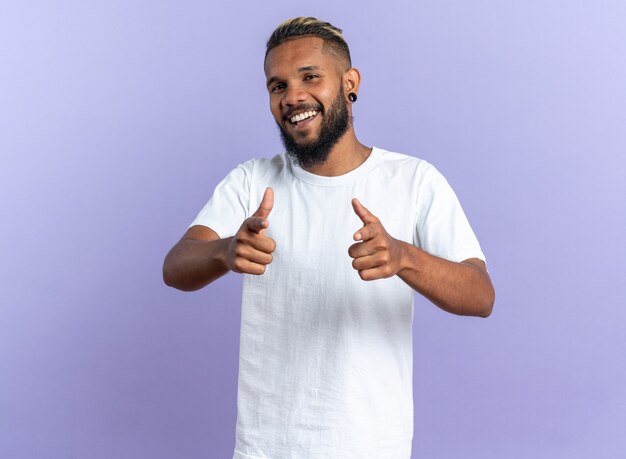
(334, 238)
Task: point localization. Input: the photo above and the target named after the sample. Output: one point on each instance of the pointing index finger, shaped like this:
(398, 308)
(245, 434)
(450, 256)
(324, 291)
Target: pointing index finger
(364, 214)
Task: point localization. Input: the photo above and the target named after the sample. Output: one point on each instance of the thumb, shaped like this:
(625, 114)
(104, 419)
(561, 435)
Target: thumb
(365, 215)
(267, 203)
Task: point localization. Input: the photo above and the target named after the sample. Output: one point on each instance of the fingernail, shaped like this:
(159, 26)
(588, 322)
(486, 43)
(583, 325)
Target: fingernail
(357, 236)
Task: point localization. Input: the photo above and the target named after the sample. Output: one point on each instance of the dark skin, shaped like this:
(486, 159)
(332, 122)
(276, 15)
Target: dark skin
(305, 71)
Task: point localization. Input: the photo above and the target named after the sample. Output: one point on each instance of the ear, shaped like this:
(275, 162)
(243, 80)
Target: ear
(351, 80)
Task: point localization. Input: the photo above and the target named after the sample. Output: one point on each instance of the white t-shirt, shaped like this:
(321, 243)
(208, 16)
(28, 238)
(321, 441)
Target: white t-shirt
(325, 365)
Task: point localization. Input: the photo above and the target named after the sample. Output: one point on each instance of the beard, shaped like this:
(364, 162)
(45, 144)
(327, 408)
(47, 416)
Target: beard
(335, 123)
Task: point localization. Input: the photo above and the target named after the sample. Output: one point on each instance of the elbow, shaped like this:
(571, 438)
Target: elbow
(485, 312)
(168, 275)
(170, 278)
(487, 304)
(171, 281)
(481, 305)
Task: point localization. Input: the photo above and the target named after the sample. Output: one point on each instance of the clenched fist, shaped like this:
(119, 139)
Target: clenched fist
(250, 250)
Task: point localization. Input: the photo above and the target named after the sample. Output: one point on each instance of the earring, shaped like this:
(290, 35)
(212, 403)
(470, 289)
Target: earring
(352, 97)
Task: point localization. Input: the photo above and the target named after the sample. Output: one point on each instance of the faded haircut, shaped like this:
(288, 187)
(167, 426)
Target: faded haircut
(309, 26)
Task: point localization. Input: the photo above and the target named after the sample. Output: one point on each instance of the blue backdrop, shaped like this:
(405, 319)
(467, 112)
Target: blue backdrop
(117, 119)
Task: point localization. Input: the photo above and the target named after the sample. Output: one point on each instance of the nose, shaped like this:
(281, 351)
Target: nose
(293, 95)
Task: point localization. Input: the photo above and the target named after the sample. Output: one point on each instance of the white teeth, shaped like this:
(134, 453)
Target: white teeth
(302, 116)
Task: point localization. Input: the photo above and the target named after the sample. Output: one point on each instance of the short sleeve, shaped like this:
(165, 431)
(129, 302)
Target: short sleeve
(441, 227)
(228, 207)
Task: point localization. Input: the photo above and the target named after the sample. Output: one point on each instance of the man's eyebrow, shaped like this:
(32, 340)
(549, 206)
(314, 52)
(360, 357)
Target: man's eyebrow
(272, 80)
(307, 68)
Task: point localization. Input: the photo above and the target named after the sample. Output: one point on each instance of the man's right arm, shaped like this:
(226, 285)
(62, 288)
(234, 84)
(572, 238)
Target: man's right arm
(201, 257)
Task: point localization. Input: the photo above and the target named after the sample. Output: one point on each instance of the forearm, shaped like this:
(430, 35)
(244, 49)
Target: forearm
(460, 288)
(191, 264)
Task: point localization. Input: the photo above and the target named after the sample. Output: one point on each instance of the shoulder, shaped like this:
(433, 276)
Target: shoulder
(264, 165)
(413, 168)
(256, 168)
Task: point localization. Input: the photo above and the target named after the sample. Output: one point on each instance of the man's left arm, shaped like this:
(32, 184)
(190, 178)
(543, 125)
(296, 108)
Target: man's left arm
(462, 288)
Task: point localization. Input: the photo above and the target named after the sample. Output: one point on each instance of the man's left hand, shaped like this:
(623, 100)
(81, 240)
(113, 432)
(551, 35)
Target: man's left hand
(377, 255)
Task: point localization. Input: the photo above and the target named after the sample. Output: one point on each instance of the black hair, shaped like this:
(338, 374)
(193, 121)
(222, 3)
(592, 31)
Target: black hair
(310, 26)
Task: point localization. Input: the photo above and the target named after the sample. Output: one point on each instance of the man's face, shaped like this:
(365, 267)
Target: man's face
(304, 84)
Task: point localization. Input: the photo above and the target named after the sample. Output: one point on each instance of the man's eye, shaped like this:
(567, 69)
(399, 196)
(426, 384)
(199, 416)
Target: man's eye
(278, 87)
(310, 77)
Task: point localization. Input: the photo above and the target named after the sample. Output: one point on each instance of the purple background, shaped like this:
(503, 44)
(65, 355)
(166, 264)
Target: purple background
(117, 119)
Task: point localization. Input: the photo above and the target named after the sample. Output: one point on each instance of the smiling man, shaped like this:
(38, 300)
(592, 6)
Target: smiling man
(333, 237)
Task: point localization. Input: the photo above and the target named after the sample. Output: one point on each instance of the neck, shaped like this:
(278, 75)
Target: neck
(347, 154)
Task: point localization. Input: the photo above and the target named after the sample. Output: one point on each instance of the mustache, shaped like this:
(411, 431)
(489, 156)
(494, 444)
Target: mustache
(302, 108)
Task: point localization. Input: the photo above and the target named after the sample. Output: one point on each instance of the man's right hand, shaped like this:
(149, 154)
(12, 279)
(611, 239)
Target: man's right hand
(250, 250)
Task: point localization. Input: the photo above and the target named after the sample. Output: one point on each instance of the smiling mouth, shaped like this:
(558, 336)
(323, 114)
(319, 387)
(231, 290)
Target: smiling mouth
(302, 117)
